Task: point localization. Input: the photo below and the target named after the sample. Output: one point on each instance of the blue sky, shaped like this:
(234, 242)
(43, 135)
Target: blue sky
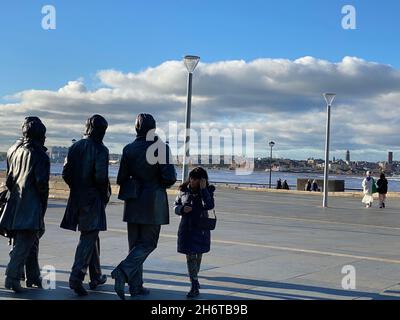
(132, 35)
(264, 63)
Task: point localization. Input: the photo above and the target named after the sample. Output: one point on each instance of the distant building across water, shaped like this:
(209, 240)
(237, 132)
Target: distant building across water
(57, 154)
(390, 157)
(348, 159)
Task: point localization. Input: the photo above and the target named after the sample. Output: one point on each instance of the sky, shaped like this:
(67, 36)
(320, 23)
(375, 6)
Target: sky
(264, 65)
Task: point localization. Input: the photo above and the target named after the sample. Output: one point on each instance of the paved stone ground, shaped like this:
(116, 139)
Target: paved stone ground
(266, 246)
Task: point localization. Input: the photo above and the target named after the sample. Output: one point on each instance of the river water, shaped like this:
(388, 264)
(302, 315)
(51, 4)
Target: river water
(257, 177)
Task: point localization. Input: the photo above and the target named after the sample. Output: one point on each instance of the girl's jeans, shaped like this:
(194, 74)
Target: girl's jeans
(382, 199)
(193, 264)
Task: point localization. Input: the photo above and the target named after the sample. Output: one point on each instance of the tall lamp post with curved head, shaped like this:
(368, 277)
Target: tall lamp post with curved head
(191, 63)
(329, 98)
(271, 145)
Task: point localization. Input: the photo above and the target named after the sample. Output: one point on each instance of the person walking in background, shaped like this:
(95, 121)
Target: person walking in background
(195, 198)
(315, 187)
(86, 173)
(308, 186)
(279, 184)
(285, 185)
(369, 188)
(146, 207)
(382, 188)
(28, 173)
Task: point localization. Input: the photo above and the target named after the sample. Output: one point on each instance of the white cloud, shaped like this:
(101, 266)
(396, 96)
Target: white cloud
(281, 99)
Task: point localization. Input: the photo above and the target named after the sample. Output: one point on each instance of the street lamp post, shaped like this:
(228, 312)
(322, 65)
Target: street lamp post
(191, 63)
(271, 145)
(329, 97)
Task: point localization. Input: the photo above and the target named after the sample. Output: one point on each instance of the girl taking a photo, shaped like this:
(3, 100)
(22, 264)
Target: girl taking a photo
(195, 198)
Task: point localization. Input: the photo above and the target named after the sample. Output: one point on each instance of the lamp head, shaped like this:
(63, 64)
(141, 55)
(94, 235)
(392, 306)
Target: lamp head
(329, 97)
(191, 63)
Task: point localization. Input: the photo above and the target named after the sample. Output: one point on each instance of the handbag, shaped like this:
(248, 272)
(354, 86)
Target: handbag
(128, 190)
(206, 223)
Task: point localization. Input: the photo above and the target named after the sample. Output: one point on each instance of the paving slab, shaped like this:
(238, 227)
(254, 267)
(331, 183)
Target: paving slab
(266, 246)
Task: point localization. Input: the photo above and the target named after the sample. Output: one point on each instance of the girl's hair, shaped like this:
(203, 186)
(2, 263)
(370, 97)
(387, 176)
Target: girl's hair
(383, 176)
(196, 173)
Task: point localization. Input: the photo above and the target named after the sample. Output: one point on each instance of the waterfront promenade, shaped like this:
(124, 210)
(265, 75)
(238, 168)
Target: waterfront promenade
(266, 246)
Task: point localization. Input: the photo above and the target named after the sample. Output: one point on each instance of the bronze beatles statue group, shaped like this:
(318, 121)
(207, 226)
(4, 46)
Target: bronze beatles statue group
(86, 173)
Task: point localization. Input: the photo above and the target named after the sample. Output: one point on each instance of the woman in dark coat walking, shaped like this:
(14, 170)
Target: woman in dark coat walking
(382, 190)
(195, 198)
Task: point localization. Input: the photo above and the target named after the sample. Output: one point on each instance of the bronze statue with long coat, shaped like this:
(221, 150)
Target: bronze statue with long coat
(145, 214)
(86, 173)
(28, 171)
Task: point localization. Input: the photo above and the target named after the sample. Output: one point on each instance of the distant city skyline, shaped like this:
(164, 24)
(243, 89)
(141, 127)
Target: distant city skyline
(61, 151)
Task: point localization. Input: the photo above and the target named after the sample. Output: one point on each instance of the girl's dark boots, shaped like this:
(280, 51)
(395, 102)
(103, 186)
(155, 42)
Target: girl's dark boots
(194, 290)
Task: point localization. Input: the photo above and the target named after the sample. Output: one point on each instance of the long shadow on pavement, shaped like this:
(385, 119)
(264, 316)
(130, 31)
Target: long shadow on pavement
(106, 292)
(269, 284)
